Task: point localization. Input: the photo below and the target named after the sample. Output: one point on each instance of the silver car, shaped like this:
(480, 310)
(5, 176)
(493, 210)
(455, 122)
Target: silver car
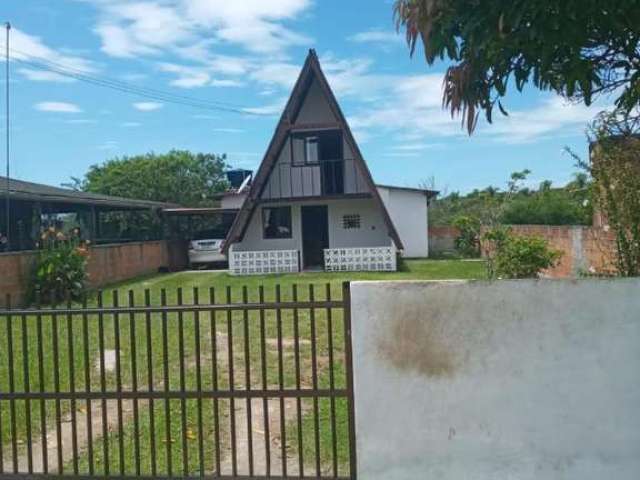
(206, 250)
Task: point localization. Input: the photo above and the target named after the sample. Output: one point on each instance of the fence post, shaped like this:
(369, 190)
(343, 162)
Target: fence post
(346, 299)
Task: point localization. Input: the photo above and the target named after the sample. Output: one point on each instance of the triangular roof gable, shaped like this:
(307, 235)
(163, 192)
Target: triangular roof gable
(310, 71)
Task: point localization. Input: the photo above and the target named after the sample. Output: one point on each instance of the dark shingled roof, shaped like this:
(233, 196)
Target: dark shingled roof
(37, 192)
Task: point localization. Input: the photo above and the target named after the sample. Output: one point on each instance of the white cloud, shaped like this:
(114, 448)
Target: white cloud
(147, 106)
(80, 121)
(415, 147)
(44, 76)
(190, 77)
(30, 48)
(412, 110)
(376, 36)
(552, 117)
(108, 145)
(228, 130)
(129, 29)
(58, 107)
(274, 108)
(130, 124)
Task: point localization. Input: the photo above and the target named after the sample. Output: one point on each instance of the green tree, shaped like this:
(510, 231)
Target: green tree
(179, 177)
(577, 48)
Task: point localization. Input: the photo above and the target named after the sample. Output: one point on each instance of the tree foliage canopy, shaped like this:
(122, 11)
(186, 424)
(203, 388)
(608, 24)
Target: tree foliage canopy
(577, 48)
(180, 177)
(518, 205)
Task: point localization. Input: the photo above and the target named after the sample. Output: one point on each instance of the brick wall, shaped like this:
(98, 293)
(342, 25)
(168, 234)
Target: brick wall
(584, 249)
(442, 239)
(107, 264)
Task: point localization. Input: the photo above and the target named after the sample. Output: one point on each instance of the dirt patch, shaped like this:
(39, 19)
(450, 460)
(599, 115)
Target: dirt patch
(419, 342)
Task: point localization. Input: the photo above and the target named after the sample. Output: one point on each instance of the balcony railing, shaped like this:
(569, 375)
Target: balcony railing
(325, 178)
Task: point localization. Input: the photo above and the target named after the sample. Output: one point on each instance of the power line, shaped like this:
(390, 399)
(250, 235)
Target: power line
(146, 92)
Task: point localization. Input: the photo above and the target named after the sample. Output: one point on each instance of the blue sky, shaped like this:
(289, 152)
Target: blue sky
(248, 54)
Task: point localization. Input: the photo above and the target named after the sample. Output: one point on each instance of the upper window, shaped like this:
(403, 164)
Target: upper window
(276, 222)
(311, 148)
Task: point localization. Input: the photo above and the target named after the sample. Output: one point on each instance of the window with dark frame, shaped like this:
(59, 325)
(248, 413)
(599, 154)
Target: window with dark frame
(351, 222)
(276, 222)
(306, 146)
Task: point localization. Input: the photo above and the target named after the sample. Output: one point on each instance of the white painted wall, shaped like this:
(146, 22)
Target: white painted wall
(373, 231)
(518, 380)
(232, 200)
(408, 212)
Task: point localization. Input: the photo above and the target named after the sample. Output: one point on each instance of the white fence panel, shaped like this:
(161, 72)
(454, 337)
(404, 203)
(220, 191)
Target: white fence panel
(261, 262)
(374, 259)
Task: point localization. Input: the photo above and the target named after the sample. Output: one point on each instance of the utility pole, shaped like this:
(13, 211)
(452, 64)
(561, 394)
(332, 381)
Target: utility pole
(7, 200)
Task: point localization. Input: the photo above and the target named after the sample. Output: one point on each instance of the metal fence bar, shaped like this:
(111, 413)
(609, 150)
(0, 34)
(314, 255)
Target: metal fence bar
(43, 405)
(332, 385)
(232, 403)
(296, 345)
(134, 383)
(247, 376)
(26, 380)
(150, 386)
(131, 350)
(223, 307)
(196, 322)
(346, 298)
(87, 383)
(214, 375)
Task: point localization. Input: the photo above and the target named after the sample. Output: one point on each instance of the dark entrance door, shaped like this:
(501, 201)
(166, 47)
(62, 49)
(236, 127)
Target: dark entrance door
(315, 235)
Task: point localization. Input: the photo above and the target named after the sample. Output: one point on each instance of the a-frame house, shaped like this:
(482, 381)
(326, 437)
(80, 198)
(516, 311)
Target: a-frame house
(312, 203)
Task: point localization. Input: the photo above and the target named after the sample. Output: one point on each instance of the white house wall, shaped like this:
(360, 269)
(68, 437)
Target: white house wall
(232, 201)
(372, 231)
(408, 211)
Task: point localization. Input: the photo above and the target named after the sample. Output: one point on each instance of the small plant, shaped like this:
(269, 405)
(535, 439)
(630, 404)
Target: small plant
(468, 242)
(59, 271)
(512, 256)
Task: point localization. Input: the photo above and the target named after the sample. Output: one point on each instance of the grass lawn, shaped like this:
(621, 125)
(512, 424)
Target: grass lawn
(73, 343)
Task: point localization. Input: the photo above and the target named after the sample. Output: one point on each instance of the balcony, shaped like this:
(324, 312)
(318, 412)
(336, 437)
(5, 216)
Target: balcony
(326, 178)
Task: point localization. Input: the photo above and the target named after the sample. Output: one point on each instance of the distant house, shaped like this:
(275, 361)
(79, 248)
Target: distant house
(313, 203)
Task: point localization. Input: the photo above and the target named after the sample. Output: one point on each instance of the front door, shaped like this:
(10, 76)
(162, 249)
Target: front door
(315, 235)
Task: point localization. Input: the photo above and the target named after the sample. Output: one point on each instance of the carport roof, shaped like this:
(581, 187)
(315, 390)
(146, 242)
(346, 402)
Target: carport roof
(37, 192)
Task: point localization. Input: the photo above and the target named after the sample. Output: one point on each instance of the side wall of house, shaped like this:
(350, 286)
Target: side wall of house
(372, 231)
(526, 379)
(408, 212)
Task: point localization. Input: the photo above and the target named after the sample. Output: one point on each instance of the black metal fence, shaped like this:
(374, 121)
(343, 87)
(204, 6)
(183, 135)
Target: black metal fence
(215, 384)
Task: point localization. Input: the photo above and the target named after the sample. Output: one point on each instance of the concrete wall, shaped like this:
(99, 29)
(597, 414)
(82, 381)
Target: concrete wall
(508, 380)
(372, 233)
(107, 264)
(408, 212)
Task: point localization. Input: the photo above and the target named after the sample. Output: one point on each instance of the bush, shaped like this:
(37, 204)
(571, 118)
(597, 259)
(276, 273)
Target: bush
(511, 256)
(468, 242)
(59, 272)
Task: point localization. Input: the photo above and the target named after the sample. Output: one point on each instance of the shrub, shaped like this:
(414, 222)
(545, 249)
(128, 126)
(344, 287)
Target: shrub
(468, 242)
(511, 256)
(59, 271)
